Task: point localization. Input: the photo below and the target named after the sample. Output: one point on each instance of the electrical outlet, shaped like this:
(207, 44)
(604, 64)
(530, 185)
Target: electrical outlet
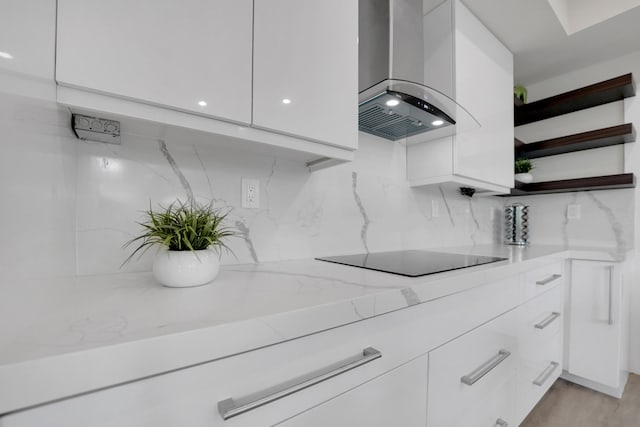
(573, 211)
(250, 193)
(435, 209)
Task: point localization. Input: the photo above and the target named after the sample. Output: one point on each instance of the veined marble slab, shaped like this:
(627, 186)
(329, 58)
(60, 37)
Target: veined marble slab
(61, 337)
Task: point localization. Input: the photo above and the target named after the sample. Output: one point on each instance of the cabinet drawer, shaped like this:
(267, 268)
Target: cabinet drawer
(190, 397)
(397, 398)
(541, 346)
(543, 279)
(539, 368)
(472, 379)
(484, 412)
(541, 318)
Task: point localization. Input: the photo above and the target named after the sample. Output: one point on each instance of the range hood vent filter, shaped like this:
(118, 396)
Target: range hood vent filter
(406, 118)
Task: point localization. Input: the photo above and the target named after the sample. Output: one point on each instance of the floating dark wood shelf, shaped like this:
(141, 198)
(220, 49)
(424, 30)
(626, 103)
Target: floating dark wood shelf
(613, 135)
(589, 96)
(607, 182)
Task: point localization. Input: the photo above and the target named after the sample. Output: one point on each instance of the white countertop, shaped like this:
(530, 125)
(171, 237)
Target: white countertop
(65, 336)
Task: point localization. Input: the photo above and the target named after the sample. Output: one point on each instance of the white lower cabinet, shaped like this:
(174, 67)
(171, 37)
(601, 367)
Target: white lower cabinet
(598, 326)
(397, 398)
(258, 388)
(495, 374)
(540, 343)
(472, 379)
(190, 396)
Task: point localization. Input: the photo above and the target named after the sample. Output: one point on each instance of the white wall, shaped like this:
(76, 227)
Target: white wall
(611, 217)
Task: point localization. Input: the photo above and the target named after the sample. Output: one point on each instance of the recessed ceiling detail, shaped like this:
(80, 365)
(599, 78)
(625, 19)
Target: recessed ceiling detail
(533, 30)
(576, 15)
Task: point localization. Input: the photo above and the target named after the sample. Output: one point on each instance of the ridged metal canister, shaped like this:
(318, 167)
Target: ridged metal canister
(516, 230)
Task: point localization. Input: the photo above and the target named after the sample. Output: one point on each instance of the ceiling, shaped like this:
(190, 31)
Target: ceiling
(538, 39)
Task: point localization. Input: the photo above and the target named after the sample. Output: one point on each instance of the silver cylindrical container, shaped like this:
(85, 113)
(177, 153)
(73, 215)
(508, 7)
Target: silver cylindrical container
(516, 224)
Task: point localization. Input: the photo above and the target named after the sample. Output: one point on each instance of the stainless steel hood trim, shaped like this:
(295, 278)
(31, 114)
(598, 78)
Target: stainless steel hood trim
(391, 58)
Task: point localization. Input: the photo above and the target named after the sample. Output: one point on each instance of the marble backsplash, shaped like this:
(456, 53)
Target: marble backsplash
(361, 206)
(606, 219)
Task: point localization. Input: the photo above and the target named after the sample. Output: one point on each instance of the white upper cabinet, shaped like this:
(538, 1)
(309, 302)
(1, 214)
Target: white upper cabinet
(27, 34)
(484, 86)
(213, 65)
(305, 69)
(191, 55)
(27, 48)
(467, 63)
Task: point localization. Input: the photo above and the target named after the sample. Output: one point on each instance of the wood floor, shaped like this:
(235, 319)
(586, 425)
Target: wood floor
(570, 405)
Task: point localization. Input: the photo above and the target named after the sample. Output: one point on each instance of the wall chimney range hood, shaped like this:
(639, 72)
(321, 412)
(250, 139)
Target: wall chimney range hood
(394, 101)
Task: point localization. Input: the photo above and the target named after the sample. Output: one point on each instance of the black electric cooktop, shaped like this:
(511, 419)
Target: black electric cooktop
(413, 263)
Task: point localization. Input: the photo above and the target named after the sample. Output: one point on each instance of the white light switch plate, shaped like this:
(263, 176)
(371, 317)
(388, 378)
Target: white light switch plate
(250, 193)
(573, 211)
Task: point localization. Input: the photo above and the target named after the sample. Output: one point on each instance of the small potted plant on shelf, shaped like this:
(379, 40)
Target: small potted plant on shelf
(190, 236)
(519, 95)
(522, 168)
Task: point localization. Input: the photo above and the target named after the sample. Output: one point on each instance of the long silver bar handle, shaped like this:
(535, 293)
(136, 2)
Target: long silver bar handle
(229, 408)
(549, 279)
(610, 294)
(544, 376)
(546, 322)
(485, 368)
(501, 423)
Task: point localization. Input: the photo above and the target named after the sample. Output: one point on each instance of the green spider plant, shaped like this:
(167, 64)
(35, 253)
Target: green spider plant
(183, 227)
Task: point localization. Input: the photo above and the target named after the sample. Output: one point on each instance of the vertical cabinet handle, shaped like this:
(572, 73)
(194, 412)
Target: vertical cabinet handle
(546, 322)
(610, 320)
(485, 368)
(544, 376)
(231, 407)
(548, 279)
(501, 423)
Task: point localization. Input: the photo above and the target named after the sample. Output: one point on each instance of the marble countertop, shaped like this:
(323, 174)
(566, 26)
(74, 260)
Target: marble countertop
(64, 336)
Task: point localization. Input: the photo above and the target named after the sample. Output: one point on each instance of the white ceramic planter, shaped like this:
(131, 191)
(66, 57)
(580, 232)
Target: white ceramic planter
(181, 269)
(523, 177)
